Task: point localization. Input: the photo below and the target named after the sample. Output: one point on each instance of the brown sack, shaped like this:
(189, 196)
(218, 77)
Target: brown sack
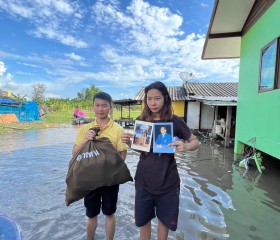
(97, 164)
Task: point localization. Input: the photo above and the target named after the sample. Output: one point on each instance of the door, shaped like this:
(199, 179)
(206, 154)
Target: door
(193, 115)
(207, 117)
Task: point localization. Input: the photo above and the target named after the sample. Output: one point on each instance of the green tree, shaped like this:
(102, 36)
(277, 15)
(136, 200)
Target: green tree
(38, 94)
(87, 93)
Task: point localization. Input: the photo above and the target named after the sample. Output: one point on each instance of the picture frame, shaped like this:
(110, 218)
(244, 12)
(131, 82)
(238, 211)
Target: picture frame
(163, 135)
(142, 136)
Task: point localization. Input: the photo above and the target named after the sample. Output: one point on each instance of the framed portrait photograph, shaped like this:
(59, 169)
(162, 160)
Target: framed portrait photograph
(163, 135)
(142, 136)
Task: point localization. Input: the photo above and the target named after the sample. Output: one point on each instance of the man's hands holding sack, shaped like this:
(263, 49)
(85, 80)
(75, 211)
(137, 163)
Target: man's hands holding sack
(91, 134)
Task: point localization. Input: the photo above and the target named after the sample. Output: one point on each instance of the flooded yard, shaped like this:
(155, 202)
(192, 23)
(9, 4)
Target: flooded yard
(218, 200)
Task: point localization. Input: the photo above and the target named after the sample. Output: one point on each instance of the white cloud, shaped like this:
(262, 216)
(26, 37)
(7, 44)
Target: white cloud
(155, 20)
(17, 9)
(30, 65)
(40, 61)
(55, 20)
(204, 5)
(15, 87)
(2, 68)
(30, 8)
(75, 56)
(113, 56)
(63, 6)
(150, 31)
(146, 28)
(54, 34)
(9, 76)
(141, 44)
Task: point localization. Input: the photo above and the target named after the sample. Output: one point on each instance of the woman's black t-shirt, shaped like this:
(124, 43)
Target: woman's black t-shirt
(158, 173)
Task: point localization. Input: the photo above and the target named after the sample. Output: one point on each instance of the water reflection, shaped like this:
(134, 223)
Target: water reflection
(201, 201)
(218, 200)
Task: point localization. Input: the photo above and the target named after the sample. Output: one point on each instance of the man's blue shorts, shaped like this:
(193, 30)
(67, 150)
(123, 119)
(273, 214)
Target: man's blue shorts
(164, 206)
(103, 197)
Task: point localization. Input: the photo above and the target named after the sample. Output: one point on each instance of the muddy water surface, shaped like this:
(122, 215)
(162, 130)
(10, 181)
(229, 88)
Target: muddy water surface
(218, 199)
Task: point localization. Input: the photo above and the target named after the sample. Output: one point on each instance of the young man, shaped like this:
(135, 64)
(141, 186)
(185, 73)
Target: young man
(103, 197)
(163, 138)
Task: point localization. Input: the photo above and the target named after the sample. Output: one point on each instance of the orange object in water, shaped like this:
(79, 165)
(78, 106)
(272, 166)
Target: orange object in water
(8, 118)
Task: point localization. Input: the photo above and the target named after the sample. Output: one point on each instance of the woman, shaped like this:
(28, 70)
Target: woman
(157, 181)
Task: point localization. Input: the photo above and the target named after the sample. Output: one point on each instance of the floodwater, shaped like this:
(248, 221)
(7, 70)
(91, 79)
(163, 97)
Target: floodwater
(218, 200)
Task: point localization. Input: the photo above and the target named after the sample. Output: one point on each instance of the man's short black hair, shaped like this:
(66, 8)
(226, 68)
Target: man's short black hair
(104, 96)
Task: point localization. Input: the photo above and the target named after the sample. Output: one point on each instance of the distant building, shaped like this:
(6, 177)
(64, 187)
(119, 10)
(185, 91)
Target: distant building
(5, 94)
(250, 30)
(178, 96)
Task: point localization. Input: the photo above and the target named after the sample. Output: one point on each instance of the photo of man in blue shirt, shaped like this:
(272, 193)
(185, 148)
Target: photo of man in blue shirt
(163, 138)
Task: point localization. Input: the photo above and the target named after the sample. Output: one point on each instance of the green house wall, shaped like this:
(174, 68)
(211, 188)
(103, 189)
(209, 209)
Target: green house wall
(258, 114)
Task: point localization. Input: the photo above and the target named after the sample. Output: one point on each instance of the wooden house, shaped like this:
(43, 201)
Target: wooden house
(249, 30)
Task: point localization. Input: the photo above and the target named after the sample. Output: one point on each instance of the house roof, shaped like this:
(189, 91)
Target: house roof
(216, 94)
(9, 102)
(126, 102)
(229, 22)
(176, 94)
(216, 101)
(213, 90)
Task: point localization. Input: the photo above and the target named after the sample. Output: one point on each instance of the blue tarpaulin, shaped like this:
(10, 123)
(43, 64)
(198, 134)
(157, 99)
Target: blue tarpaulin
(25, 112)
(6, 101)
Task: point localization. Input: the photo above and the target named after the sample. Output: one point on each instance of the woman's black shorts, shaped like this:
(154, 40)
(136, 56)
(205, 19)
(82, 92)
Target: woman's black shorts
(164, 206)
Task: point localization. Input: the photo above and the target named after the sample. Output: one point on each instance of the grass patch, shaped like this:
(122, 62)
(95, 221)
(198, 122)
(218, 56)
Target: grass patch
(60, 118)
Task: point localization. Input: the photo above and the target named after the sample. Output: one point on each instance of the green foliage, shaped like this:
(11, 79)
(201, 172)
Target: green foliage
(65, 116)
(62, 116)
(87, 93)
(84, 102)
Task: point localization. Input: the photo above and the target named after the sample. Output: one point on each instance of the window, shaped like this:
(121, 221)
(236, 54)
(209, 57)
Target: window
(269, 72)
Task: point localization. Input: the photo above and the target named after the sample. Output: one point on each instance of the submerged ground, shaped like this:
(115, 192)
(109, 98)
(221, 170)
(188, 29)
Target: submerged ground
(218, 200)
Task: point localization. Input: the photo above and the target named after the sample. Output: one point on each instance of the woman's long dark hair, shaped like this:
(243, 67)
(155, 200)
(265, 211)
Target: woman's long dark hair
(166, 112)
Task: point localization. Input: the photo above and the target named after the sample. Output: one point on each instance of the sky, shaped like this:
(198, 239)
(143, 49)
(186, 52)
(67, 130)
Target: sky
(119, 46)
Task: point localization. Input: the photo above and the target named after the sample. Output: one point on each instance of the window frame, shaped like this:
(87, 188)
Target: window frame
(276, 80)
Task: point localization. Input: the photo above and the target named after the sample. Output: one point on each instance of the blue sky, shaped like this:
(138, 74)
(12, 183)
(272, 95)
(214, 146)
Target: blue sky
(119, 46)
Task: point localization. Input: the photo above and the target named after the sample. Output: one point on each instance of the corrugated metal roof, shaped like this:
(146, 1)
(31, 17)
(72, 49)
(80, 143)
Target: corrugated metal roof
(218, 94)
(216, 101)
(126, 102)
(176, 94)
(212, 98)
(218, 89)
(219, 103)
